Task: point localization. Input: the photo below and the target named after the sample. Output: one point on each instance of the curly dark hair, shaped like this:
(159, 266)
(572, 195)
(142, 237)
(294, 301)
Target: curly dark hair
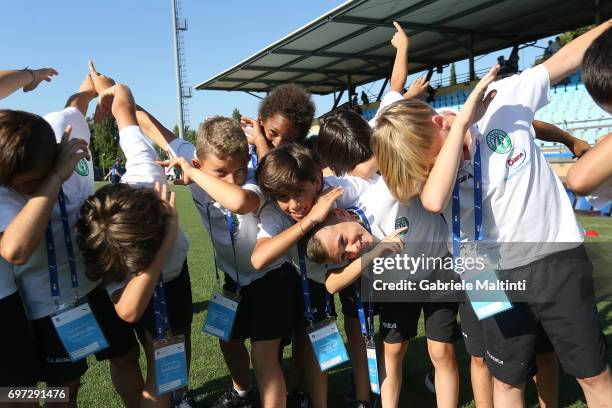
(292, 102)
(119, 231)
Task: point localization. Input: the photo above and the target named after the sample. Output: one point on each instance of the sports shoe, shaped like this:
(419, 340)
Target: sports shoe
(297, 399)
(231, 399)
(430, 381)
(183, 401)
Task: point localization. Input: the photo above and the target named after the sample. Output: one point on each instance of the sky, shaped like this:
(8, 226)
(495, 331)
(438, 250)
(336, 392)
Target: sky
(131, 41)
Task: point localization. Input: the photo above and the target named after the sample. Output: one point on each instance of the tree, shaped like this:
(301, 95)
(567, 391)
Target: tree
(453, 75)
(236, 115)
(104, 144)
(190, 134)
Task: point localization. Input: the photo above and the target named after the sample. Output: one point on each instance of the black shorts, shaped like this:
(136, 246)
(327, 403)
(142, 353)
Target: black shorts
(473, 335)
(349, 306)
(17, 346)
(55, 363)
(569, 318)
(179, 303)
(399, 321)
(266, 306)
(319, 298)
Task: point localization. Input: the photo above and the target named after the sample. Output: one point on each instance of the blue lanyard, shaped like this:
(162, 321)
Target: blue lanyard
(478, 233)
(306, 291)
(254, 157)
(160, 310)
(229, 222)
(367, 328)
(51, 258)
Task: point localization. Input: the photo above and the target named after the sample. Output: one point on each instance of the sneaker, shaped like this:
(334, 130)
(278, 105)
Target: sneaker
(185, 400)
(430, 381)
(297, 399)
(231, 399)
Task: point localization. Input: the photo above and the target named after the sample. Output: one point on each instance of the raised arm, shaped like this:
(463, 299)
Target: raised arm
(400, 42)
(119, 101)
(569, 58)
(158, 133)
(593, 169)
(438, 188)
(83, 97)
(551, 133)
(28, 79)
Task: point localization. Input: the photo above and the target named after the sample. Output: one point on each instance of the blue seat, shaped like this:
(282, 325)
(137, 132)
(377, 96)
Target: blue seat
(606, 210)
(571, 196)
(582, 204)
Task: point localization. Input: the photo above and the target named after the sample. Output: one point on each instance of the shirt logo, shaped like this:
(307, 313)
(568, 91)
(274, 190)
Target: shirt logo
(499, 141)
(402, 222)
(81, 168)
(465, 176)
(516, 162)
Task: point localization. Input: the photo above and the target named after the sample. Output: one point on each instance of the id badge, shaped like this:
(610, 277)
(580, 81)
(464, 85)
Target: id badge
(373, 367)
(79, 331)
(170, 364)
(221, 315)
(327, 344)
(486, 298)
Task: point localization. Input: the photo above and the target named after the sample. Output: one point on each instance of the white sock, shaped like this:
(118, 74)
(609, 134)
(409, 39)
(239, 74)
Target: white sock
(244, 393)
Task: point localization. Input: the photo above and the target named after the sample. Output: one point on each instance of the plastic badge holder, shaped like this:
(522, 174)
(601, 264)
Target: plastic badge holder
(327, 344)
(170, 364)
(373, 367)
(79, 331)
(221, 315)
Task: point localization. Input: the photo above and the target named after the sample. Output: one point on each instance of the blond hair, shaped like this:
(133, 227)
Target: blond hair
(222, 137)
(402, 140)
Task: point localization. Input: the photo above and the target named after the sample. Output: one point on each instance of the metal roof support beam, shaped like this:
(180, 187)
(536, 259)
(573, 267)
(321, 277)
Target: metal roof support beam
(252, 94)
(471, 58)
(382, 89)
(350, 88)
(405, 24)
(337, 100)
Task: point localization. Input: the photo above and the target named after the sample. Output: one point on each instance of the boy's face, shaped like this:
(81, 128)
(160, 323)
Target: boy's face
(278, 130)
(27, 183)
(232, 169)
(298, 204)
(345, 240)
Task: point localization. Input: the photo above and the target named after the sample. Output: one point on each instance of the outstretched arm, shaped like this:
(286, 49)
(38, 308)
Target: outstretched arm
(28, 79)
(119, 101)
(569, 58)
(81, 99)
(551, 133)
(400, 67)
(158, 133)
(593, 169)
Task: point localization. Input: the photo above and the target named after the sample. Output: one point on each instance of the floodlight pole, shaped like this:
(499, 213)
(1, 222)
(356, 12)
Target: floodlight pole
(182, 92)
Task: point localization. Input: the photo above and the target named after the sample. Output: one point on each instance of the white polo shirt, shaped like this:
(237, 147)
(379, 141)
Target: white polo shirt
(33, 277)
(244, 231)
(523, 199)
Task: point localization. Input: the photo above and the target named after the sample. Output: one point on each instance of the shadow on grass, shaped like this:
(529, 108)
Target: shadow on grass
(199, 307)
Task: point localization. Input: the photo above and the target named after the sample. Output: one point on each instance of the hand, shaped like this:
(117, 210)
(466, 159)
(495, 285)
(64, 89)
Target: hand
(100, 81)
(181, 164)
(39, 75)
(392, 243)
(252, 129)
(169, 201)
(477, 103)
(87, 86)
(579, 147)
(417, 89)
(324, 204)
(69, 153)
(400, 39)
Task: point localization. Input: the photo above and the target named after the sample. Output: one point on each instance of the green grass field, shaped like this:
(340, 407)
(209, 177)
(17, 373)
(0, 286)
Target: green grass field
(209, 377)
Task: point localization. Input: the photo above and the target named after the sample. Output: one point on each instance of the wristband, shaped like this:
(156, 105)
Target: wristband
(33, 76)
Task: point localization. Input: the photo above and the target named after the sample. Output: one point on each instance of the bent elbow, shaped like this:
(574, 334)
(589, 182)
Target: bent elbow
(13, 255)
(129, 315)
(331, 288)
(257, 261)
(434, 206)
(577, 184)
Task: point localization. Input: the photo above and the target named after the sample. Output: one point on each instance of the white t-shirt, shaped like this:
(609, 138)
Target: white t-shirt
(427, 232)
(7, 279)
(523, 199)
(33, 277)
(142, 171)
(389, 98)
(274, 220)
(244, 230)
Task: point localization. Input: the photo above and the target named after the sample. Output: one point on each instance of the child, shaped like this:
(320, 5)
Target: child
(285, 116)
(223, 188)
(518, 188)
(592, 172)
(19, 345)
(127, 234)
(35, 172)
(345, 236)
(291, 176)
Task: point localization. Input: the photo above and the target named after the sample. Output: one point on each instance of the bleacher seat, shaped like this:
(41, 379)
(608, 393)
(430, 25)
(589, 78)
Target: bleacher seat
(606, 210)
(571, 196)
(582, 204)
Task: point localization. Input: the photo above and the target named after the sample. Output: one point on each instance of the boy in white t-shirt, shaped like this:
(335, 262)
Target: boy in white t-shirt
(350, 236)
(291, 177)
(522, 202)
(128, 233)
(223, 188)
(593, 172)
(35, 171)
